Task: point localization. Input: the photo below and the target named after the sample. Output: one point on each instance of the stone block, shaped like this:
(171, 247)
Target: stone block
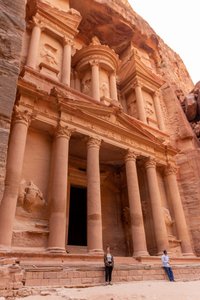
(50, 275)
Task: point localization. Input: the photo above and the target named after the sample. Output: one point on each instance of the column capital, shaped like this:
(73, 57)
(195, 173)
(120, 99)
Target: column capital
(150, 163)
(156, 94)
(94, 62)
(93, 142)
(37, 22)
(64, 131)
(170, 170)
(22, 116)
(67, 41)
(130, 155)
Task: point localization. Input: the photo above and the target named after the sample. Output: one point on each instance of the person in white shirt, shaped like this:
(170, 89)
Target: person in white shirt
(166, 266)
(109, 264)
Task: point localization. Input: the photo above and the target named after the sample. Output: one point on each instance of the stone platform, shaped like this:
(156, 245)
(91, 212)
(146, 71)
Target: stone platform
(35, 269)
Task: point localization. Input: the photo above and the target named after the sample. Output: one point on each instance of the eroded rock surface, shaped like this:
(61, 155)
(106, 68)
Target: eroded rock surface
(12, 25)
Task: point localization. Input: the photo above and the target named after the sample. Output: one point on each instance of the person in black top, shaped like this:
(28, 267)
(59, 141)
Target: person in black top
(109, 264)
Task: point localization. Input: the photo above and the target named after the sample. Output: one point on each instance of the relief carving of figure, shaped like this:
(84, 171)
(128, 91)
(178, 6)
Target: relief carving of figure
(167, 217)
(104, 90)
(86, 86)
(48, 53)
(30, 197)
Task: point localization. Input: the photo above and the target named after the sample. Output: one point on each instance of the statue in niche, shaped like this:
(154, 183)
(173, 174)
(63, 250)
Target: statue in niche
(168, 220)
(104, 89)
(48, 53)
(126, 219)
(86, 86)
(167, 217)
(30, 197)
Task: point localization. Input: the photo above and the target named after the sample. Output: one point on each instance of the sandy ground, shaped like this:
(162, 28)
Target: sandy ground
(146, 290)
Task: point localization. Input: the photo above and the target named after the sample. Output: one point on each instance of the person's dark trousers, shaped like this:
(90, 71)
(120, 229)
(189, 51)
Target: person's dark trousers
(108, 273)
(169, 273)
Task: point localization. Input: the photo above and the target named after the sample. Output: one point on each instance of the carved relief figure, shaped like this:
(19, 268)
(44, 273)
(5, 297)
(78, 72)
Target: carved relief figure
(48, 53)
(30, 197)
(104, 89)
(168, 220)
(86, 84)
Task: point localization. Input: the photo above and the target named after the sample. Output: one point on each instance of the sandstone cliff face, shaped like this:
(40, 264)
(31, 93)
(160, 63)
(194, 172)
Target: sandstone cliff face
(12, 22)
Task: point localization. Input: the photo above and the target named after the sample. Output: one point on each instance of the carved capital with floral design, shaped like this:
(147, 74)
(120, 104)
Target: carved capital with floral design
(170, 170)
(130, 155)
(150, 163)
(22, 116)
(67, 41)
(37, 22)
(93, 142)
(94, 62)
(64, 131)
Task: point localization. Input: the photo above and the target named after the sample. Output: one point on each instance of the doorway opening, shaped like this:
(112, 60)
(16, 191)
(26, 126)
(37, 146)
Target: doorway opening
(77, 232)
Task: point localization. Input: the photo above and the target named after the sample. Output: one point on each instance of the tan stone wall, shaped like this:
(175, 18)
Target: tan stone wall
(112, 222)
(12, 14)
(37, 160)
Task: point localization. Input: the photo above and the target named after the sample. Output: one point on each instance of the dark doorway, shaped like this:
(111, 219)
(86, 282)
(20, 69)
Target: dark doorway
(77, 233)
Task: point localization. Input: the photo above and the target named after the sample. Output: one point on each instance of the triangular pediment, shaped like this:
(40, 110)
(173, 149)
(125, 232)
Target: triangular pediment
(111, 117)
(135, 68)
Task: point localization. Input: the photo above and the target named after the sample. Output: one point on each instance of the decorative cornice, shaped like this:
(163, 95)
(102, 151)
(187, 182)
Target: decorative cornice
(93, 142)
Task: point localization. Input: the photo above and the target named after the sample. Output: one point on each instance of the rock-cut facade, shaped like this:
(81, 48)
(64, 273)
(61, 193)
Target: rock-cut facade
(99, 149)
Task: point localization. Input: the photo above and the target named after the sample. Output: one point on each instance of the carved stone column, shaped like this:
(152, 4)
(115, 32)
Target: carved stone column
(140, 104)
(58, 198)
(156, 205)
(113, 86)
(95, 80)
(13, 176)
(137, 224)
(175, 199)
(66, 63)
(34, 45)
(94, 221)
(158, 111)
